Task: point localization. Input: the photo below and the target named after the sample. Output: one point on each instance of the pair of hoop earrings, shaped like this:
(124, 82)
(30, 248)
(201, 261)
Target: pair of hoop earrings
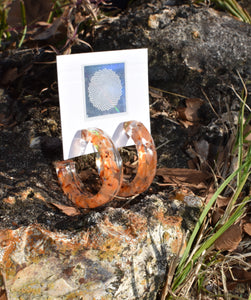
(110, 167)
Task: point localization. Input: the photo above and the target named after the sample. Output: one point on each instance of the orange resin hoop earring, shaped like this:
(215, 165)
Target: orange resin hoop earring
(109, 166)
(147, 159)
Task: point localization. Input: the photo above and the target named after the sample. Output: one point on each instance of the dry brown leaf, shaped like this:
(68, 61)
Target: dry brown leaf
(237, 275)
(241, 275)
(68, 210)
(191, 164)
(186, 123)
(247, 133)
(217, 214)
(189, 177)
(230, 239)
(221, 200)
(247, 228)
(190, 112)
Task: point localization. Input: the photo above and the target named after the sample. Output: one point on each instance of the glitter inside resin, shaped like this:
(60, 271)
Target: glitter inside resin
(109, 166)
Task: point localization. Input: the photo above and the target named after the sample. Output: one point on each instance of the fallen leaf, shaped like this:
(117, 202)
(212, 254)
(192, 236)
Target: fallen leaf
(68, 210)
(217, 214)
(237, 276)
(247, 228)
(191, 164)
(241, 275)
(230, 239)
(189, 177)
(221, 200)
(247, 133)
(190, 112)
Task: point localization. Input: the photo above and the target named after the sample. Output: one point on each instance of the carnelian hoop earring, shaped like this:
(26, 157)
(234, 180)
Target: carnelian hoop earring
(147, 159)
(109, 166)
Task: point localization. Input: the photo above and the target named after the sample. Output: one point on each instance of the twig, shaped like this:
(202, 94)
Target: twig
(166, 142)
(164, 114)
(210, 103)
(223, 277)
(128, 200)
(170, 93)
(239, 97)
(196, 271)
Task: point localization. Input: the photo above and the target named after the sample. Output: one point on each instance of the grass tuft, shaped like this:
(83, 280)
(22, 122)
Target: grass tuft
(234, 8)
(200, 257)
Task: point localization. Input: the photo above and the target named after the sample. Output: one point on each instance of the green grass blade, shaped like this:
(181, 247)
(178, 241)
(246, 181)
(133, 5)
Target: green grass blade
(234, 8)
(240, 132)
(208, 243)
(242, 182)
(23, 13)
(55, 11)
(23, 36)
(192, 261)
(203, 215)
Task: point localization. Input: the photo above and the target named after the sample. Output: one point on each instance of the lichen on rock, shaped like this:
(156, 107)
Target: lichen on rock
(123, 256)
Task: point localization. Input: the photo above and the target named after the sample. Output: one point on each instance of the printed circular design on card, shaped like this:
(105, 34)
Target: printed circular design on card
(104, 89)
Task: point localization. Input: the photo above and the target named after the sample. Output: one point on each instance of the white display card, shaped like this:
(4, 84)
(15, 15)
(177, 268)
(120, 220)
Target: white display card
(102, 90)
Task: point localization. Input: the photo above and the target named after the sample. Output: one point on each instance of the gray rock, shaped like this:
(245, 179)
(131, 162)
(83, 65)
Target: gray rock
(190, 48)
(123, 255)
